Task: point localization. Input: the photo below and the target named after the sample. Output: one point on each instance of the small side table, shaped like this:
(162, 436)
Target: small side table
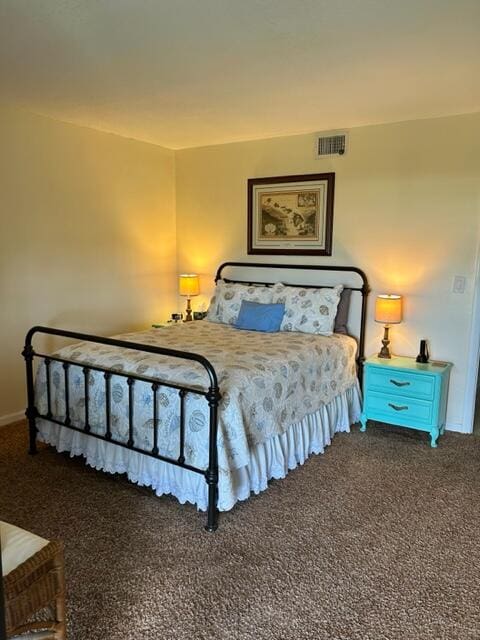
(405, 393)
(34, 580)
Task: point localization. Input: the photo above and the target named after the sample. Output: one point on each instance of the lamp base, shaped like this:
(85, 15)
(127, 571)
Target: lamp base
(385, 351)
(188, 312)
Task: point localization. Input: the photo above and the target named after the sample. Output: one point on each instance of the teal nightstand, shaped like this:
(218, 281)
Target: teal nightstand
(402, 392)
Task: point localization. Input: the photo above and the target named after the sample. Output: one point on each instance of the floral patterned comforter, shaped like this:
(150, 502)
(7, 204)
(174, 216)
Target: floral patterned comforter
(268, 381)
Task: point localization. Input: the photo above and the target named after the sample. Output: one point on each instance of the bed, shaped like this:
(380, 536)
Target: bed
(202, 410)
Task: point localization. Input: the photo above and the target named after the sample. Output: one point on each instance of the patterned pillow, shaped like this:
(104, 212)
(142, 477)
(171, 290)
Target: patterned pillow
(308, 310)
(227, 300)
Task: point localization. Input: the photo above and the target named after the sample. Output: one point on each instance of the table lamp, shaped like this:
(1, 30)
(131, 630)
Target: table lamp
(189, 287)
(388, 310)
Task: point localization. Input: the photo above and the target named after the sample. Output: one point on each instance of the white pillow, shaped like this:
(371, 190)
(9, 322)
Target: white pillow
(227, 300)
(308, 310)
(18, 546)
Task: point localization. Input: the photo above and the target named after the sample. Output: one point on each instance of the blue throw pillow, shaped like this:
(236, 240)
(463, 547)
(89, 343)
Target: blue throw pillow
(256, 316)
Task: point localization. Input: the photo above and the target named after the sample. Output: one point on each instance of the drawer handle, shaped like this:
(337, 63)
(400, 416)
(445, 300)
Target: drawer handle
(399, 384)
(397, 408)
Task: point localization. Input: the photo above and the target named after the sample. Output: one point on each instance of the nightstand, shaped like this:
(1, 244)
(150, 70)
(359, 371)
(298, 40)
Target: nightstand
(405, 393)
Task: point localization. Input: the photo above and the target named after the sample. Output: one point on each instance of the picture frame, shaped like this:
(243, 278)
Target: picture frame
(291, 215)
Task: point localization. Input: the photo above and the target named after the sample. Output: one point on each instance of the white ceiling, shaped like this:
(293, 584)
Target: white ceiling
(183, 73)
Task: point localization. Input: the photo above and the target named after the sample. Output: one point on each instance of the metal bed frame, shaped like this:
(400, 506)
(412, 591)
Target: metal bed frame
(212, 395)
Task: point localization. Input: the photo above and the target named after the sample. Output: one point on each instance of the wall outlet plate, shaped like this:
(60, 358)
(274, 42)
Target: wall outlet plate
(459, 284)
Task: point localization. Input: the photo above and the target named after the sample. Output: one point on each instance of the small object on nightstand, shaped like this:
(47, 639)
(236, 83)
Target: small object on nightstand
(388, 310)
(423, 355)
(176, 317)
(199, 315)
(405, 393)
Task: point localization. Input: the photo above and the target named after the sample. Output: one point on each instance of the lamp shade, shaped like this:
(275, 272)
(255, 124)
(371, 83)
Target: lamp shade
(388, 309)
(189, 284)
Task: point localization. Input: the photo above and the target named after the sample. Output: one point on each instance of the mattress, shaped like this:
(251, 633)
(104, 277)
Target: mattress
(279, 387)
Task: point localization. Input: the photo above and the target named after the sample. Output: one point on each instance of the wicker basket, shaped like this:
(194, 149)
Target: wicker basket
(36, 584)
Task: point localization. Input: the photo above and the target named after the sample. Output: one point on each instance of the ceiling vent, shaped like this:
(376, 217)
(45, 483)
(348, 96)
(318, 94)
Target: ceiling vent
(332, 144)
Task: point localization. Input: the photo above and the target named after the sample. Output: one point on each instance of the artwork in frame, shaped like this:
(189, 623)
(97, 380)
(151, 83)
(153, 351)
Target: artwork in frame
(291, 215)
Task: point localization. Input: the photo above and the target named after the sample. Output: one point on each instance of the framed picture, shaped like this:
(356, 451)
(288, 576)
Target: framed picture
(291, 215)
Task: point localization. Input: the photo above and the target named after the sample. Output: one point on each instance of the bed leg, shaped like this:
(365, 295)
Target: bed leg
(212, 514)
(31, 411)
(211, 474)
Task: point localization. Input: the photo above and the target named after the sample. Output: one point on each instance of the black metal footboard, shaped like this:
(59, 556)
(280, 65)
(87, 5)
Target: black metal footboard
(212, 396)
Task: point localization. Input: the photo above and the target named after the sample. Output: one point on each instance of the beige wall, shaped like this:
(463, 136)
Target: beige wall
(87, 235)
(406, 210)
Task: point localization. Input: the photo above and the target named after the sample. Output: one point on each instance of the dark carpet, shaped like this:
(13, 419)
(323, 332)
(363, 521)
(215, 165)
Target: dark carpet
(377, 539)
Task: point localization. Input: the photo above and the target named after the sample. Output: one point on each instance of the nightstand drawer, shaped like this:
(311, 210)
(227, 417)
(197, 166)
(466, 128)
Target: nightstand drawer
(398, 409)
(401, 383)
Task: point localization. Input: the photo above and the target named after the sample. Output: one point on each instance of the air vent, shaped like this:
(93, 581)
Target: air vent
(332, 145)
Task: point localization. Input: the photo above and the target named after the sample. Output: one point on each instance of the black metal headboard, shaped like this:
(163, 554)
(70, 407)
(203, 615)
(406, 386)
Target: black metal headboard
(364, 290)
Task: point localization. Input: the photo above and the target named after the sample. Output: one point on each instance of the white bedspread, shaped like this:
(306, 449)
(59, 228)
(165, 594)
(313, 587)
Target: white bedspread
(268, 382)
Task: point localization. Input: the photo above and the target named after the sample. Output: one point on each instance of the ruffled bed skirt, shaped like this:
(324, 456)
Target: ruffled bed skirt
(270, 459)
